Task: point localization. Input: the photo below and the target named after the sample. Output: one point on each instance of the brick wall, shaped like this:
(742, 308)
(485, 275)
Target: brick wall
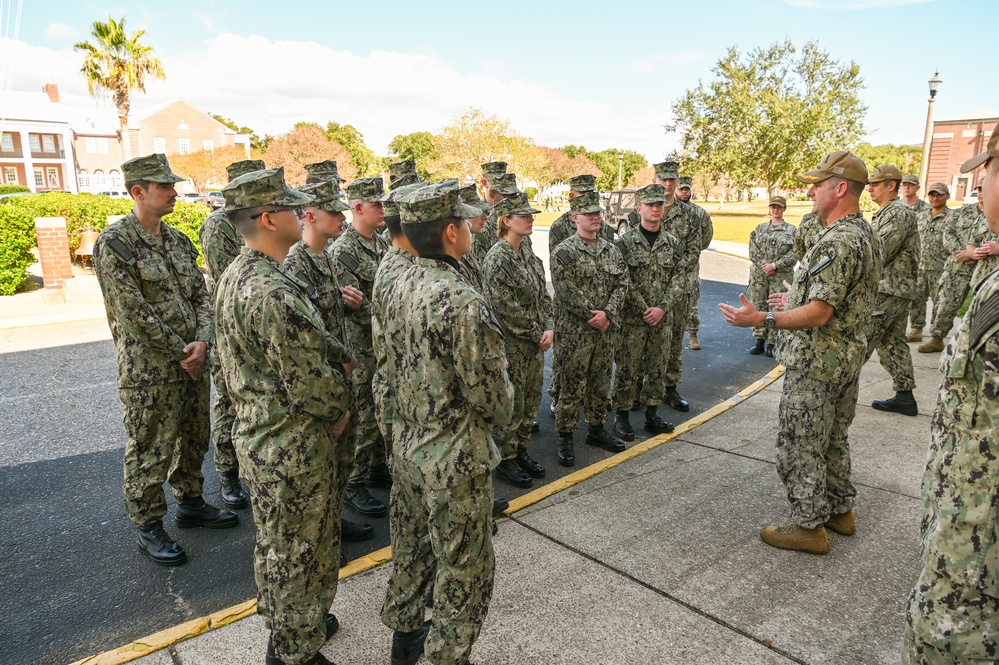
(53, 251)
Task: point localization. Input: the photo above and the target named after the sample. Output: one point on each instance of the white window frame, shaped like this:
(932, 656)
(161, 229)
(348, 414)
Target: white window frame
(10, 175)
(100, 181)
(48, 144)
(102, 146)
(7, 142)
(90, 145)
(83, 180)
(159, 145)
(39, 177)
(208, 144)
(184, 146)
(34, 143)
(52, 177)
(116, 180)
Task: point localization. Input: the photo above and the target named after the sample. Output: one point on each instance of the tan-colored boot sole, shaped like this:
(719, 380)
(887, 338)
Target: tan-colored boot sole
(797, 538)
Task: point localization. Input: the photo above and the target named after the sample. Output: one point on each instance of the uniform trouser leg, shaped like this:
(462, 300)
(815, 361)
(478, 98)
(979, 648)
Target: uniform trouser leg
(757, 294)
(223, 418)
(917, 306)
(931, 286)
(441, 538)
(674, 357)
(952, 289)
(296, 558)
(368, 442)
(526, 371)
(949, 624)
(888, 337)
(168, 434)
(693, 316)
(586, 361)
(553, 378)
(640, 351)
(813, 452)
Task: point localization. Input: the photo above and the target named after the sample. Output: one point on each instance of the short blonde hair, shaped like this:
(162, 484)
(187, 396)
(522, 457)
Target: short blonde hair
(501, 228)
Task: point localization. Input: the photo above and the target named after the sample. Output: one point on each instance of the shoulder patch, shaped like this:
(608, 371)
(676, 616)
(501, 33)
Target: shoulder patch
(348, 261)
(306, 283)
(564, 257)
(822, 264)
(621, 245)
(121, 250)
(507, 268)
(984, 318)
(226, 227)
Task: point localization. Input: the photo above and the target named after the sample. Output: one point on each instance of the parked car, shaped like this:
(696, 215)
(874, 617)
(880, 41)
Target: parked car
(114, 193)
(214, 200)
(972, 197)
(189, 197)
(619, 203)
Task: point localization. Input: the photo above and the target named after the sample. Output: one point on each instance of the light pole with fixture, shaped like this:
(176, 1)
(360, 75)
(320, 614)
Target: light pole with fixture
(925, 161)
(620, 167)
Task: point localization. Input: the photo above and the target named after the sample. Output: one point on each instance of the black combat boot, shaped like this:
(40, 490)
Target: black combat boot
(596, 435)
(654, 424)
(233, 495)
(156, 544)
(195, 512)
(769, 350)
(622, 426)
(500, 506)
(903, 402)
(528, 464)
(511, 472)
(380, 477)
(758, 348)
(407, 647)
(674, 400)
(359, 498)
(355, 532)
(566, 455)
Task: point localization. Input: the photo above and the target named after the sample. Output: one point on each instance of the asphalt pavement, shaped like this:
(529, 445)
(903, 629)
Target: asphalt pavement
(73, 582)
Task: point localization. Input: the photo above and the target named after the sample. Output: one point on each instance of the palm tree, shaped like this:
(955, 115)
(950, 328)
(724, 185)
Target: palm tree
(118, 63)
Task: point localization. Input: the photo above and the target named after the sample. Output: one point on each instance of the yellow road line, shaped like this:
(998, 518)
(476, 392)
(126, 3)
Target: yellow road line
(195, 627)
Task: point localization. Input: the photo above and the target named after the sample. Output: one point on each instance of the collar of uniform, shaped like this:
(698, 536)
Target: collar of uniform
(676, 209)
(257, 254)
(147, 237)
(439, 261)
(586, 246)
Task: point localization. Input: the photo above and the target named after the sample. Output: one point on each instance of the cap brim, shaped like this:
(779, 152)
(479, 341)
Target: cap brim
(975, 162)
(937, 191)
(651, 201)
(166, 179)
(588, 210)
(293, 197)
(812, 177)
(464, 211)
(336, 205)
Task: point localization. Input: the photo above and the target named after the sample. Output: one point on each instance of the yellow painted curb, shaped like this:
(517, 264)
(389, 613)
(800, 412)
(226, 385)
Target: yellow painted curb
(195, 627)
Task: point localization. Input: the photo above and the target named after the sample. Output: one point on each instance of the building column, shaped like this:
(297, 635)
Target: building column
(69, 163)
(29, 164)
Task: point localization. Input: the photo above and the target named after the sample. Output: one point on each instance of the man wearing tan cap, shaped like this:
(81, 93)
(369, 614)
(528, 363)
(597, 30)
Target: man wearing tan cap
(909, 190)
(824, 320)
(932, 223)
(771, 253)
(896, 224)
(953, 613)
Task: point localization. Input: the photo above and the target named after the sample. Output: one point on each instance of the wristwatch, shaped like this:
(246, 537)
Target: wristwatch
(770, 322)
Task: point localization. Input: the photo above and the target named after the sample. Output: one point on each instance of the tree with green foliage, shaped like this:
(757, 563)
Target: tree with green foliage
(117, 63)
(361, 156)
(306, 143)
(609, 163)
(474, 138)
(905, 157)
(418, 146)
(770, 113)
(256, 143)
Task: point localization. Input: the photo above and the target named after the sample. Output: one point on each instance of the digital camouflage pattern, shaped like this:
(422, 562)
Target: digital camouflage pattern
(243, 167)
(327, 196)
(887, 336)
(563, 228)
(355, 262)
(681, 222)
(262, 188)
(287, 395)
(932, 257)
(403, 173)
(444, 338)
(654, 280)
(505, 184)
(492, 170)
(325, 170)
(808, 230)
(471, 270)
(953, 613)
(516, 291)
(770, 244)
(919, 207)
(365, 189)
(324, 291)
(819, 396)
(586, 278)
(707, 235)
(955, 278)
(980, 234)
(151, 168)
(667, 170)
(394, 264)
(434, 202)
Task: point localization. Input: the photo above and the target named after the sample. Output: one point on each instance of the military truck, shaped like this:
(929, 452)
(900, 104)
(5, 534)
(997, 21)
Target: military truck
(620, 202)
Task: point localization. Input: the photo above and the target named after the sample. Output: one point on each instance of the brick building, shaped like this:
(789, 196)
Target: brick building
(955, 141)
(36, 141)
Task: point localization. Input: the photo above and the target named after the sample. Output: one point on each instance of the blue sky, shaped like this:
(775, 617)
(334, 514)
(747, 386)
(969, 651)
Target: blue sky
(598, 74)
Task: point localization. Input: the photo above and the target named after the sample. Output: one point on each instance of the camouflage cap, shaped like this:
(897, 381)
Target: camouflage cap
(261, 188)
(840, 164)
(583, 183)
(434, 202)
(323, 171)
(910, 179)
(366, 189)
(778, 201)
(492, 170)
(939, 188)
(402, 173)
(515, 205)
(505, 184)
(470, 195)
(243, 167)
(390, 202)
(686, 182)
(586, 202)
(327, 195)
(991, 151)
(408, 179)
(651, 194)
(151, 168)
(668, 170)
(883, 173)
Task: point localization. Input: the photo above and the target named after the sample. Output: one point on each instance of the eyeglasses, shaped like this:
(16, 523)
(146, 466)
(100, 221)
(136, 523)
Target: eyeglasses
(298, 210)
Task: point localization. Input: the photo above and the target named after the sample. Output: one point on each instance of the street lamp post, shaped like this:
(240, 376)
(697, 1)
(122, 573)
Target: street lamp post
(620, 167)
(925, 161)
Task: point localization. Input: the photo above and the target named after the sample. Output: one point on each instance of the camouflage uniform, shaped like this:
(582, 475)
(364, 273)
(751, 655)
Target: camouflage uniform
(157, 303)
(655, 280)
(501, 183)
(395, 262)
(819, 397)
(955, 277)
(517, 293)
(770, 244)
(895, 223)
(919, 207)
(444, 339)
(681, 222)
(355, 262)
(707, 233)
(983, 267)
(808, 229)
(586, 278)
(953, 613)
(932, 256)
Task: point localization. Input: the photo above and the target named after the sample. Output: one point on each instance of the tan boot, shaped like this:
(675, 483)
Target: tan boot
(842, 524)
(695, 344)
(796, 537)
(933, 346)
(915, 335)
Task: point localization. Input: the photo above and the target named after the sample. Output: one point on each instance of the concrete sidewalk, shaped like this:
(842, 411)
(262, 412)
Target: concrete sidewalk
(658, 559)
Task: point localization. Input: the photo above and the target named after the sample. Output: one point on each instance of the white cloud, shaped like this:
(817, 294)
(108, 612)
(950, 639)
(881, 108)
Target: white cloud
(853, 4)
(60, 31)
(661, 61)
